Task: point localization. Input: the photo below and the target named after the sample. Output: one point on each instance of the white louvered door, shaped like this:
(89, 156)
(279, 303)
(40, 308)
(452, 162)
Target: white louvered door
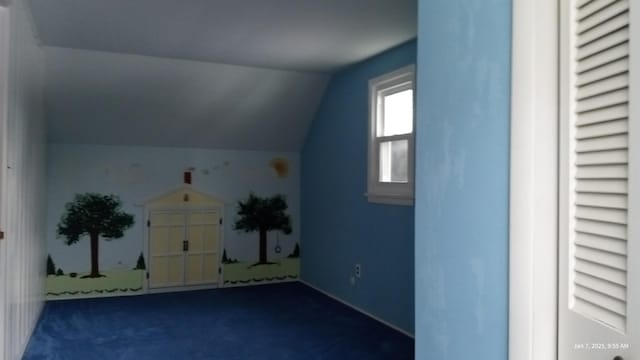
(598, 293)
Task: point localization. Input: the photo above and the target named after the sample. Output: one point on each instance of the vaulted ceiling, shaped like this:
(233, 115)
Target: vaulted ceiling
(240, 74)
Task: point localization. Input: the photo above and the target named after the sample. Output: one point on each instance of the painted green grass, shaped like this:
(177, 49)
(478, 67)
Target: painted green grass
(117, 281)
(242, 273)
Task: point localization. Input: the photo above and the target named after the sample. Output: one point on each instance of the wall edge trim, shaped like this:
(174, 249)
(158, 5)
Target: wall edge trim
(334, 297)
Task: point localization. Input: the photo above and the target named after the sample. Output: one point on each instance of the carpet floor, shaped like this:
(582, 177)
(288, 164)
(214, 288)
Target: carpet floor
(279, 321)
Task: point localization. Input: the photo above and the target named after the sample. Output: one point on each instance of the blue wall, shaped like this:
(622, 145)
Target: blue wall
(339, 226)
(462, 179)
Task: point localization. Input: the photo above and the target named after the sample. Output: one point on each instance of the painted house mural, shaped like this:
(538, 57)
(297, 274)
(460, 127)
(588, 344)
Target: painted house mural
(165, 219)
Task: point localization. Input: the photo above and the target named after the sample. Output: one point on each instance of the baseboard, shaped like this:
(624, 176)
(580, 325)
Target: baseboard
(394, 327)
(32, 328)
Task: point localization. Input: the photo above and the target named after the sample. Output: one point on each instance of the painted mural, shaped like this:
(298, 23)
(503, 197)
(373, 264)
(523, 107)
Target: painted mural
(94, 217)
(263, 215)
(182, 218)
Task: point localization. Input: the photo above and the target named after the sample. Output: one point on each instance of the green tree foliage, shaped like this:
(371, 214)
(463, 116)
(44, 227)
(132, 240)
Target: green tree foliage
(51, 266)
(140, 264)
(263, 215)
(59, 272)
(93, 215)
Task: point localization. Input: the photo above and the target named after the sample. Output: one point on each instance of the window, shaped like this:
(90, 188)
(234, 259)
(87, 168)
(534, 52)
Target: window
(391, 137)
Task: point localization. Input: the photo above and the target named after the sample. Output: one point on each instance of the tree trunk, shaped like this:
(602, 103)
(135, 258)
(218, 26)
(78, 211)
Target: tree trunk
(263, 246)
(95, 272)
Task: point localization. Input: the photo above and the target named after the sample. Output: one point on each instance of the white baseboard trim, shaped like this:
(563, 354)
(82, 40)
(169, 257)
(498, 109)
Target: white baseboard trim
(394, 327)
(32, 328)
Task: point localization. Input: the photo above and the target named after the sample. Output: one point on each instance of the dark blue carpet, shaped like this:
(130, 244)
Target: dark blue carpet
(280, 321)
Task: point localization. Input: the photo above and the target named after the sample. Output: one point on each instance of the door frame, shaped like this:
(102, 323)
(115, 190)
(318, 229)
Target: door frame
(147, 244)
(533, 209)
(4, 113)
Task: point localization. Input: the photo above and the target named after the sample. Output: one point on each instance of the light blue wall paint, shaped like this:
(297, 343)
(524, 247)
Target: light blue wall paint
(462, 179)
(339, 226)
(138, 174)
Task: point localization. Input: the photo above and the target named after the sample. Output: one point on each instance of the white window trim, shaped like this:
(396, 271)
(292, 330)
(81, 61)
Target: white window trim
(389, 193)
(533, 238)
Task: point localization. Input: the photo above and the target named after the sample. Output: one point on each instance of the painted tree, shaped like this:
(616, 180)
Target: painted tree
(140, 264)
(51, 266)
(93, 215)
(296, 252)
(263, 215)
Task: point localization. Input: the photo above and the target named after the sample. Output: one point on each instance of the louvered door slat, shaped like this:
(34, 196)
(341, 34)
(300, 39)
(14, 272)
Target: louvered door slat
(617, 67)
(600, 17)
(615, 127)
(604, 28)
(600, 59)
(619, 37)
(600, 159)
(602, 172)
(591, 7)
(603, 258)
(600, 271)
(614, 216)
(608, 84)
(616, 142)
(602, 101)
(605, 186)
(601, 228)
(615, 246)
(607, 114)
(601, 299)
(607, 201)
(602, 286)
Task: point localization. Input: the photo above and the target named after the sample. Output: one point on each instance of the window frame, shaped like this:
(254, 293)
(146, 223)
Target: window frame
(389, 192)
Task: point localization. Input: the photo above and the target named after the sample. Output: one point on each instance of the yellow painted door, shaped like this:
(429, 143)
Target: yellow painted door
(202, 257)
(166, 236)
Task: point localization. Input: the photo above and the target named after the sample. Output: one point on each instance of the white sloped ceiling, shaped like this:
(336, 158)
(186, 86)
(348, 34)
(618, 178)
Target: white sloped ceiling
(236, 74)
(119, 99)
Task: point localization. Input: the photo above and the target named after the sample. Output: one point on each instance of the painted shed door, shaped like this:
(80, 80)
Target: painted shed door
(166, 236)
(203, 235)
(599, 310)
(183, 248)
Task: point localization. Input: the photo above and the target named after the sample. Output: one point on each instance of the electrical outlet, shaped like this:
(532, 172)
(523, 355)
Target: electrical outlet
(358, 270)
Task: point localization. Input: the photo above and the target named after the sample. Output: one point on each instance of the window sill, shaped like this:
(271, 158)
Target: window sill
(389, 199)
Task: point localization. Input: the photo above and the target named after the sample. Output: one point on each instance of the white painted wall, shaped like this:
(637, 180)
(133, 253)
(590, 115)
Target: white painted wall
(22, 257)
(137, 174)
